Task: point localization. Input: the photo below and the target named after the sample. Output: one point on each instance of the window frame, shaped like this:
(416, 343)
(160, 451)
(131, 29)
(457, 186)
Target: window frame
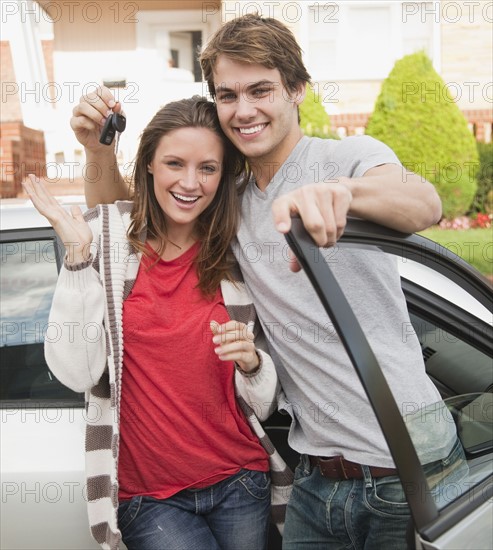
(171, 21)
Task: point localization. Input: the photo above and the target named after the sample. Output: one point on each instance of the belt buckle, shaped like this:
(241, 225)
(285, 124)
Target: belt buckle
(340, 463)
(335, 465)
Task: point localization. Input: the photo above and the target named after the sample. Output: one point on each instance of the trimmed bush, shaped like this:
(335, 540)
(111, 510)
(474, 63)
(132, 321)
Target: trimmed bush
(416, 116)
(483, 200)
(314, 118)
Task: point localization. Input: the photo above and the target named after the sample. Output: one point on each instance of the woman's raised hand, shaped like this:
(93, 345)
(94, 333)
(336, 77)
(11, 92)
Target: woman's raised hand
(71, 227)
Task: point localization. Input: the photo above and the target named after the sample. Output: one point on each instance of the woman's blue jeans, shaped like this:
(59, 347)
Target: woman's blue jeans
(356, 514)
(230, 515)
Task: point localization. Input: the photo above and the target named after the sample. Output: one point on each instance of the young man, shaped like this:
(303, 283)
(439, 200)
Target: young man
(254, 70)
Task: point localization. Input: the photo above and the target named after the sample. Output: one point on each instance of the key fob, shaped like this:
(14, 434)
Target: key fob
(114, 123)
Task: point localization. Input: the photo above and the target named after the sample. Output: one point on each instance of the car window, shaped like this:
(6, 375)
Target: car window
(463, 376)
(28, 277)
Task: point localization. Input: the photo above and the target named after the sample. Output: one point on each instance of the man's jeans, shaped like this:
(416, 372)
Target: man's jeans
(230, 515)
(369, 513)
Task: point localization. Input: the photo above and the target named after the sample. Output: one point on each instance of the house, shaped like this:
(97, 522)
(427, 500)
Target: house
(54, 51)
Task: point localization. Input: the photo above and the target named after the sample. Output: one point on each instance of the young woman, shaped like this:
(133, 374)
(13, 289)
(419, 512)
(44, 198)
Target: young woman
(146, 300)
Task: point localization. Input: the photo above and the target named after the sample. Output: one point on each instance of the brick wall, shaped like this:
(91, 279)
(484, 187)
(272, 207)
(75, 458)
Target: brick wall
(22, 151)
(480, 121)
(62, 186)
(11, 105)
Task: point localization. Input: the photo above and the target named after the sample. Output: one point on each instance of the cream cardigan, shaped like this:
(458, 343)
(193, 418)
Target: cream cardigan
(87, 306)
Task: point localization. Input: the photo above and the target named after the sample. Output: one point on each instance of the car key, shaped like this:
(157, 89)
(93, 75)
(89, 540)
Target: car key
(117, 142)
(116, 122)
(120, 124)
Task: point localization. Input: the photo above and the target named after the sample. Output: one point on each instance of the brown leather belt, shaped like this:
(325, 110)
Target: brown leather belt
(337, 467)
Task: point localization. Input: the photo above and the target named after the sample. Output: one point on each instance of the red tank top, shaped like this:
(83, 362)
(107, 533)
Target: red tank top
(180, 425)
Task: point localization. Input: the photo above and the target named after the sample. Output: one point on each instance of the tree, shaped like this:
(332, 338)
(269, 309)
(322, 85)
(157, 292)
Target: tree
(417, 117)
(314, 118)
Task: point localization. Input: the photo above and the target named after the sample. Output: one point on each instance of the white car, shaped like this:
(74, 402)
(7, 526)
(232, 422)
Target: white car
(43, 501)
(42, 422)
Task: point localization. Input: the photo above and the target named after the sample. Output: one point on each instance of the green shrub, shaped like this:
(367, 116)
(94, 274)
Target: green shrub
(483, 200)
(416, 116)
(314, 118)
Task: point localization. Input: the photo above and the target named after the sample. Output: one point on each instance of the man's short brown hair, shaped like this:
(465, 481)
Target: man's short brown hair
(260, 40)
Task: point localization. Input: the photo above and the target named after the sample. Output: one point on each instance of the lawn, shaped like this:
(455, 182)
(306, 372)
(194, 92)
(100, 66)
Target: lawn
(473, 245)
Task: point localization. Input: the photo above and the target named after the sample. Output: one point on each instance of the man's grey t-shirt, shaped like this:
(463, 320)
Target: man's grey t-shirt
(330, 410)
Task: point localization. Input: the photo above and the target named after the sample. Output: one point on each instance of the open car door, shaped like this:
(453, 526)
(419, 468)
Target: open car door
(464, 520)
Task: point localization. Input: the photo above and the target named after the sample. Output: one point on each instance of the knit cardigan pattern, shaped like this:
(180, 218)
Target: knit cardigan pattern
(113, 269)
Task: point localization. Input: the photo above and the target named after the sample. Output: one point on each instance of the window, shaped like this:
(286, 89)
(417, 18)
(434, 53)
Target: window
(462, 374)
(355, 40)
(172, 38)
(28, 277)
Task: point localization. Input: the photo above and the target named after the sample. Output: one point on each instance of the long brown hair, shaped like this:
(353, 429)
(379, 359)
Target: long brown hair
(217, 225)
(261, 40)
